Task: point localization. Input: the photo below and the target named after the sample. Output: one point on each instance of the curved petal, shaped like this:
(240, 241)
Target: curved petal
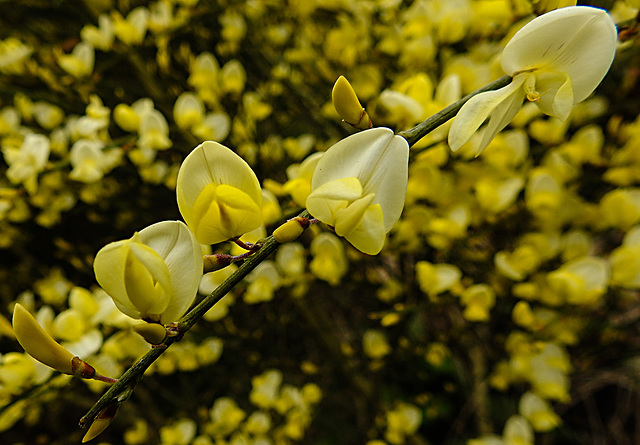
(501, 118)
(208, 163)
(556, 94)
(182, 254)
(479, 108)
(109, 268)
(329, 197)
(147, 280)
(369, 236)
(579, 40)
(350, 217)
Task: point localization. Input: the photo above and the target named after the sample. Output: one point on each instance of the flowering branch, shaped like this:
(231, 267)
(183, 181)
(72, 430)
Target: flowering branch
(116, 393)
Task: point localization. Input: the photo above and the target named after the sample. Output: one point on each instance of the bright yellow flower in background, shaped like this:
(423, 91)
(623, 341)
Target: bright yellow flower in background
(219, 196)
(556, 60)
(155, 274)
(359, 186)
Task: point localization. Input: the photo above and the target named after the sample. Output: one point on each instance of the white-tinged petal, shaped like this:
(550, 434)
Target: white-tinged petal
(578, 40)
(211, 162)
(378, 159)
(477, 109)
(175, 243)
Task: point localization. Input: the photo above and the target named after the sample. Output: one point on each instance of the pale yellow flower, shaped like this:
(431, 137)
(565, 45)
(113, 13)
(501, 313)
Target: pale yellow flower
(155, 274)
(556, 60)
(219, 196)
(80, 62)
(359, 186)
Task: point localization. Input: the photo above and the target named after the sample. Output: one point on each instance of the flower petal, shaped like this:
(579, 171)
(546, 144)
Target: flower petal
(182, 254)
(369, 236)
(350, 217)
(109, 268)
(324, 201)
(480, 107)
(556, 94)
(147, 280)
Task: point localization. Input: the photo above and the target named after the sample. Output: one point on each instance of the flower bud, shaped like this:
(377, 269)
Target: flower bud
(291, 229)
(346, 103)
(153, 333)
(39, 344)
(218, 261)
(101, 422)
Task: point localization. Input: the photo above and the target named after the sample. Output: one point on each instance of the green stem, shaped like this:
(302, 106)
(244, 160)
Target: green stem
(133, 374)
(416, 133)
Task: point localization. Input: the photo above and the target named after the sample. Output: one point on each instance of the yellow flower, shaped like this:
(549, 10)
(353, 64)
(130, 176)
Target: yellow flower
(359, 186)
(100, 37)
(299, 183)
(154, 131)
(265, 388)
(90, 161)
(625, 261)
(226, 416)
(517, 431)
(478, 301)
(375, 344)
(80, 62)
(155, 274)
(556, 60)
(219, 196)
(131, 31)
(434, 279)
(402, 421)
(581, 281)
(329, 260)
(188, 110)
(538, 412)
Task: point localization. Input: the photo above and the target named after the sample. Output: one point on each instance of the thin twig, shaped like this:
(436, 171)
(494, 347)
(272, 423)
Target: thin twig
(416, 133)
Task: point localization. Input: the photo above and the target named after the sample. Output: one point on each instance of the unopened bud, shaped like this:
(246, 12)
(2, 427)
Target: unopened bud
(101, 422)
(346, 103)
(153, 333)
(218, 261)
(291, 229)
(38, 343)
